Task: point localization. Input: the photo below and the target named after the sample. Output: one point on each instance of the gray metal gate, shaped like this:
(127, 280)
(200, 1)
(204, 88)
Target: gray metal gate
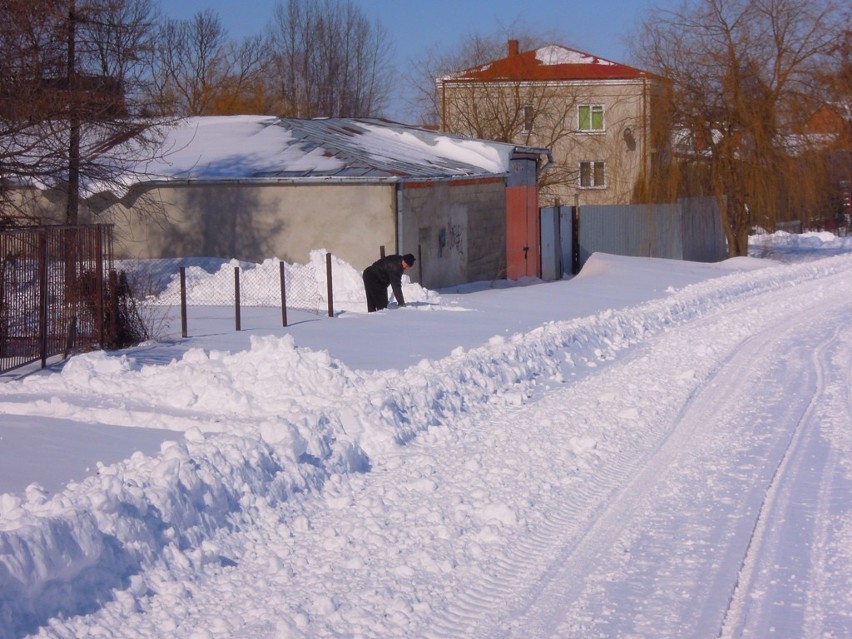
(557, 242)
(689, 229)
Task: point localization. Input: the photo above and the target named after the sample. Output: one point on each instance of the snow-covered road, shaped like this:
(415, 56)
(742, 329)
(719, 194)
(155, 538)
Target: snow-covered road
(705, 508)
(716, 521)
(677, 469)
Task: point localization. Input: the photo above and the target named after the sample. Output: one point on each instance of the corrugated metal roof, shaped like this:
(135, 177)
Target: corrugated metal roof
(375, 148)
(218, 149)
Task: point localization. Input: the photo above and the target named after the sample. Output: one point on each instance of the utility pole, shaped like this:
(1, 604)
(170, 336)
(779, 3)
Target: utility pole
(72, 204)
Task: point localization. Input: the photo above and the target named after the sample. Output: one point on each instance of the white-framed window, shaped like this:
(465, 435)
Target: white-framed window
(590, 117)
(529, 116)
(592, 175)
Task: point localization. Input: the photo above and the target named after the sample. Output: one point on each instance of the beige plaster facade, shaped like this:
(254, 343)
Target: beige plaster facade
(596, 117)
(255, 221)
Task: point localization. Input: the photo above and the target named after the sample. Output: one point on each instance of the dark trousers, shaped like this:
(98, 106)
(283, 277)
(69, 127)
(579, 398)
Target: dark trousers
(377, 292)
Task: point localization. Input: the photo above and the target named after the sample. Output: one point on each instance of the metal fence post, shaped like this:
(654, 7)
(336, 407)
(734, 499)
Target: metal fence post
(42, 298)
(237, 296)
(283, 295)
(575, 237)
(113, 305)
(330, 287)
(100, 325)
(183, 330)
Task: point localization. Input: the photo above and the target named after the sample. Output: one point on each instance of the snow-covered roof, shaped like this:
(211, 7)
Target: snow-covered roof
(549, 63)
(263, 147)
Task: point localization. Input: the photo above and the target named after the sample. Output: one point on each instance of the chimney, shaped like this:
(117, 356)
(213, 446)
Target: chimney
(513, 47)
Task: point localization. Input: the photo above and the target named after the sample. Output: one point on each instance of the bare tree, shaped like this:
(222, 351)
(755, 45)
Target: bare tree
(28, 33)
(327, 60)
(197, 70)
(472, 51)
(838, 77)
(742, 74)
(70, 71)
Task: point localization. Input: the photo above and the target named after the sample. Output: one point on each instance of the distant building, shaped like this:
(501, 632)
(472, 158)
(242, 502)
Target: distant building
(830, 129)
(92, 96)
(596, 116)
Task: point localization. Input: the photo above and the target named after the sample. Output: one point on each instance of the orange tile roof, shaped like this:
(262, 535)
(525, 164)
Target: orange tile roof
(550, 63)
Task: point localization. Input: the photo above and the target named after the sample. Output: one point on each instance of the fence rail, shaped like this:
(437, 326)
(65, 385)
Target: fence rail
(53, 292)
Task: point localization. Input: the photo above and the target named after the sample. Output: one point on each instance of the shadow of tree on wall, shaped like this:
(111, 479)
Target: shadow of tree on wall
(225, 221)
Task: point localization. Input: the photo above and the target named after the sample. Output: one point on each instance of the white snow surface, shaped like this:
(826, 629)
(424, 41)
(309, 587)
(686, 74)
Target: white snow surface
(245, 146)
(228, 146)
(651, 449)
(554, 54)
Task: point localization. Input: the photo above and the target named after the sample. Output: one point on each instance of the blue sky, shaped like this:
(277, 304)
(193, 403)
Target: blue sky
(418, 26)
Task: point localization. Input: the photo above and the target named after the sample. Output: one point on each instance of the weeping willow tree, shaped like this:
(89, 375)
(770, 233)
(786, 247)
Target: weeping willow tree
(744, 77)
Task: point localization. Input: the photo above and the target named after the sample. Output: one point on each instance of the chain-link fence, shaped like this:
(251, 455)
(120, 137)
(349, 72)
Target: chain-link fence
(323, 285)
(138, 298)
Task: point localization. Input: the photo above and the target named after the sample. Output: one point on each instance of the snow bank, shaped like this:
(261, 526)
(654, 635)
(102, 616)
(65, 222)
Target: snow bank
(260, 285)
(798, 246)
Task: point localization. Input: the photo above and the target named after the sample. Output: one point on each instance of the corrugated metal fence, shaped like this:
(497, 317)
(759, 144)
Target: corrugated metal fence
(53, 292)
(690, 229)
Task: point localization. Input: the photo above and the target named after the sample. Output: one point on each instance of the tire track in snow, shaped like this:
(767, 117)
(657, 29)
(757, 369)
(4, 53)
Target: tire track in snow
(563, 579)
(684, 587)
(578, 526)
(791, 513)
(826, 608)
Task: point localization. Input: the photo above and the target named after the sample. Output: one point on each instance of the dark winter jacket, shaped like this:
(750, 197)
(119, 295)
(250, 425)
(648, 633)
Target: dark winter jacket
(388, 272)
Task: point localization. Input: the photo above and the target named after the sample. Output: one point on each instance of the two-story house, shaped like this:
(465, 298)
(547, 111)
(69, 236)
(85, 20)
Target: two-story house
(595, 115)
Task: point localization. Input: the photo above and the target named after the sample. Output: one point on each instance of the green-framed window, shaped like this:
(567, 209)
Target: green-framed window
(590, 117)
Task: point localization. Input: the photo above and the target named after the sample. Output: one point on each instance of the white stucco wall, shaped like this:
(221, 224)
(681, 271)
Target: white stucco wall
(253, 222)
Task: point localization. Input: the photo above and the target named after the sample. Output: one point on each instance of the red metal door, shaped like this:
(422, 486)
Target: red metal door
(523, 247)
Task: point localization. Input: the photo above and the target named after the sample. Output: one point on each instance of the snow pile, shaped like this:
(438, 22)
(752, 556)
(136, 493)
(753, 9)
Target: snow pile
(798, 246)
(260, 285)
